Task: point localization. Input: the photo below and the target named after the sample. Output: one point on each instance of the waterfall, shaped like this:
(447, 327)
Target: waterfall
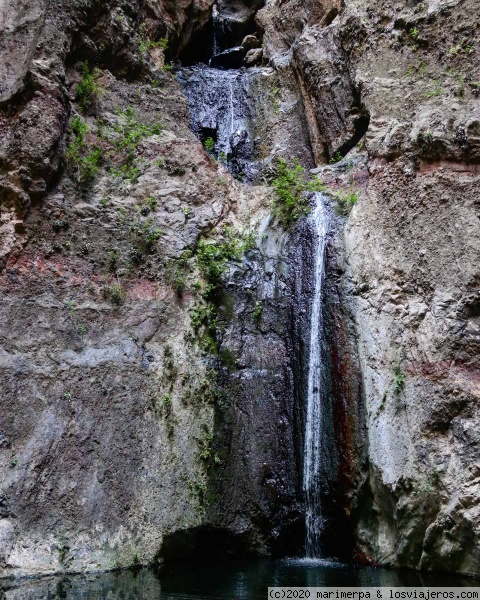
(216, 24)
(314, 429)
(222, 107)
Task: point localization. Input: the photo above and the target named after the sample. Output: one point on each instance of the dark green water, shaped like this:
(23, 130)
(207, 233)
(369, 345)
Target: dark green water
(225, 581)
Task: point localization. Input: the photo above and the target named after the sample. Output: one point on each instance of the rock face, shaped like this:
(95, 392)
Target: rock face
(123, 438)
(411, 272)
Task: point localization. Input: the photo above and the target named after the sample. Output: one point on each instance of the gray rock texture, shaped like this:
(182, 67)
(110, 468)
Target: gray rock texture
(410, 73)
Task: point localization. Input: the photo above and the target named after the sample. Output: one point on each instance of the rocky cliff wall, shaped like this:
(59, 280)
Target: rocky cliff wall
(409, 72)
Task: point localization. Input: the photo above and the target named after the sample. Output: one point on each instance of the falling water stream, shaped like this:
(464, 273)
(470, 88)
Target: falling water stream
(224, 109)
(312, 468)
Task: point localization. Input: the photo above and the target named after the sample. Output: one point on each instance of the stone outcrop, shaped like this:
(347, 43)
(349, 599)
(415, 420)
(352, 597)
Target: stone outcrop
(411, 74)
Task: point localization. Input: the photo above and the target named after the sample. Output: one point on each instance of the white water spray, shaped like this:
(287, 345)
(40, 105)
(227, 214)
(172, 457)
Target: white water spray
(316, 389)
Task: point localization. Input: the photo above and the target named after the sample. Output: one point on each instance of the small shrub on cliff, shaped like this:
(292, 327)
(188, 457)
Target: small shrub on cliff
(257, 311)
(124, 138)
(87, 90)
(83, 159)
(114, 292)
(290, 185)
(337, 157)
(209, 144)
(145, 236)
(398, 380)
(213, 256)
(146, 44)
(346, 200)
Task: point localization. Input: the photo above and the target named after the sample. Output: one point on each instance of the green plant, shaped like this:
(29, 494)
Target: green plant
(13, 463)
(150, 205)
(425, 137)
(456, 49)
(398, 380)
(213, 256)
(113, 257)
(145, 236)
(179, 282)
(204, 315)
(166, 404)
(337, 157)
(200, 488)
(146, 44)
(87, 90)
(124, 138)
(83, 159)
(414, 33)
(209, 144)
(257, 311)
(206, 446)
(114, 292)
(346, 200)
(436, 91)
(290, 185)
(136, 559)
(69, 305)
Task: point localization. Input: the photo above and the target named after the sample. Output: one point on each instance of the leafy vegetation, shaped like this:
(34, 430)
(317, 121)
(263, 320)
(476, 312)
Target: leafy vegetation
(435, 91)
(146, 44)
(114, 292)
(83, 158)
(124, 137)
(213, 256)
(398, 380)
(337, 157)
(209, 144)
(291, 185)
(87, 90)
(257, 311)
(346, 200)
(144, 237)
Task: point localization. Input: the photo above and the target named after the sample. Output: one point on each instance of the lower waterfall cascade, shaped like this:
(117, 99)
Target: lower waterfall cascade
(314, 426)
